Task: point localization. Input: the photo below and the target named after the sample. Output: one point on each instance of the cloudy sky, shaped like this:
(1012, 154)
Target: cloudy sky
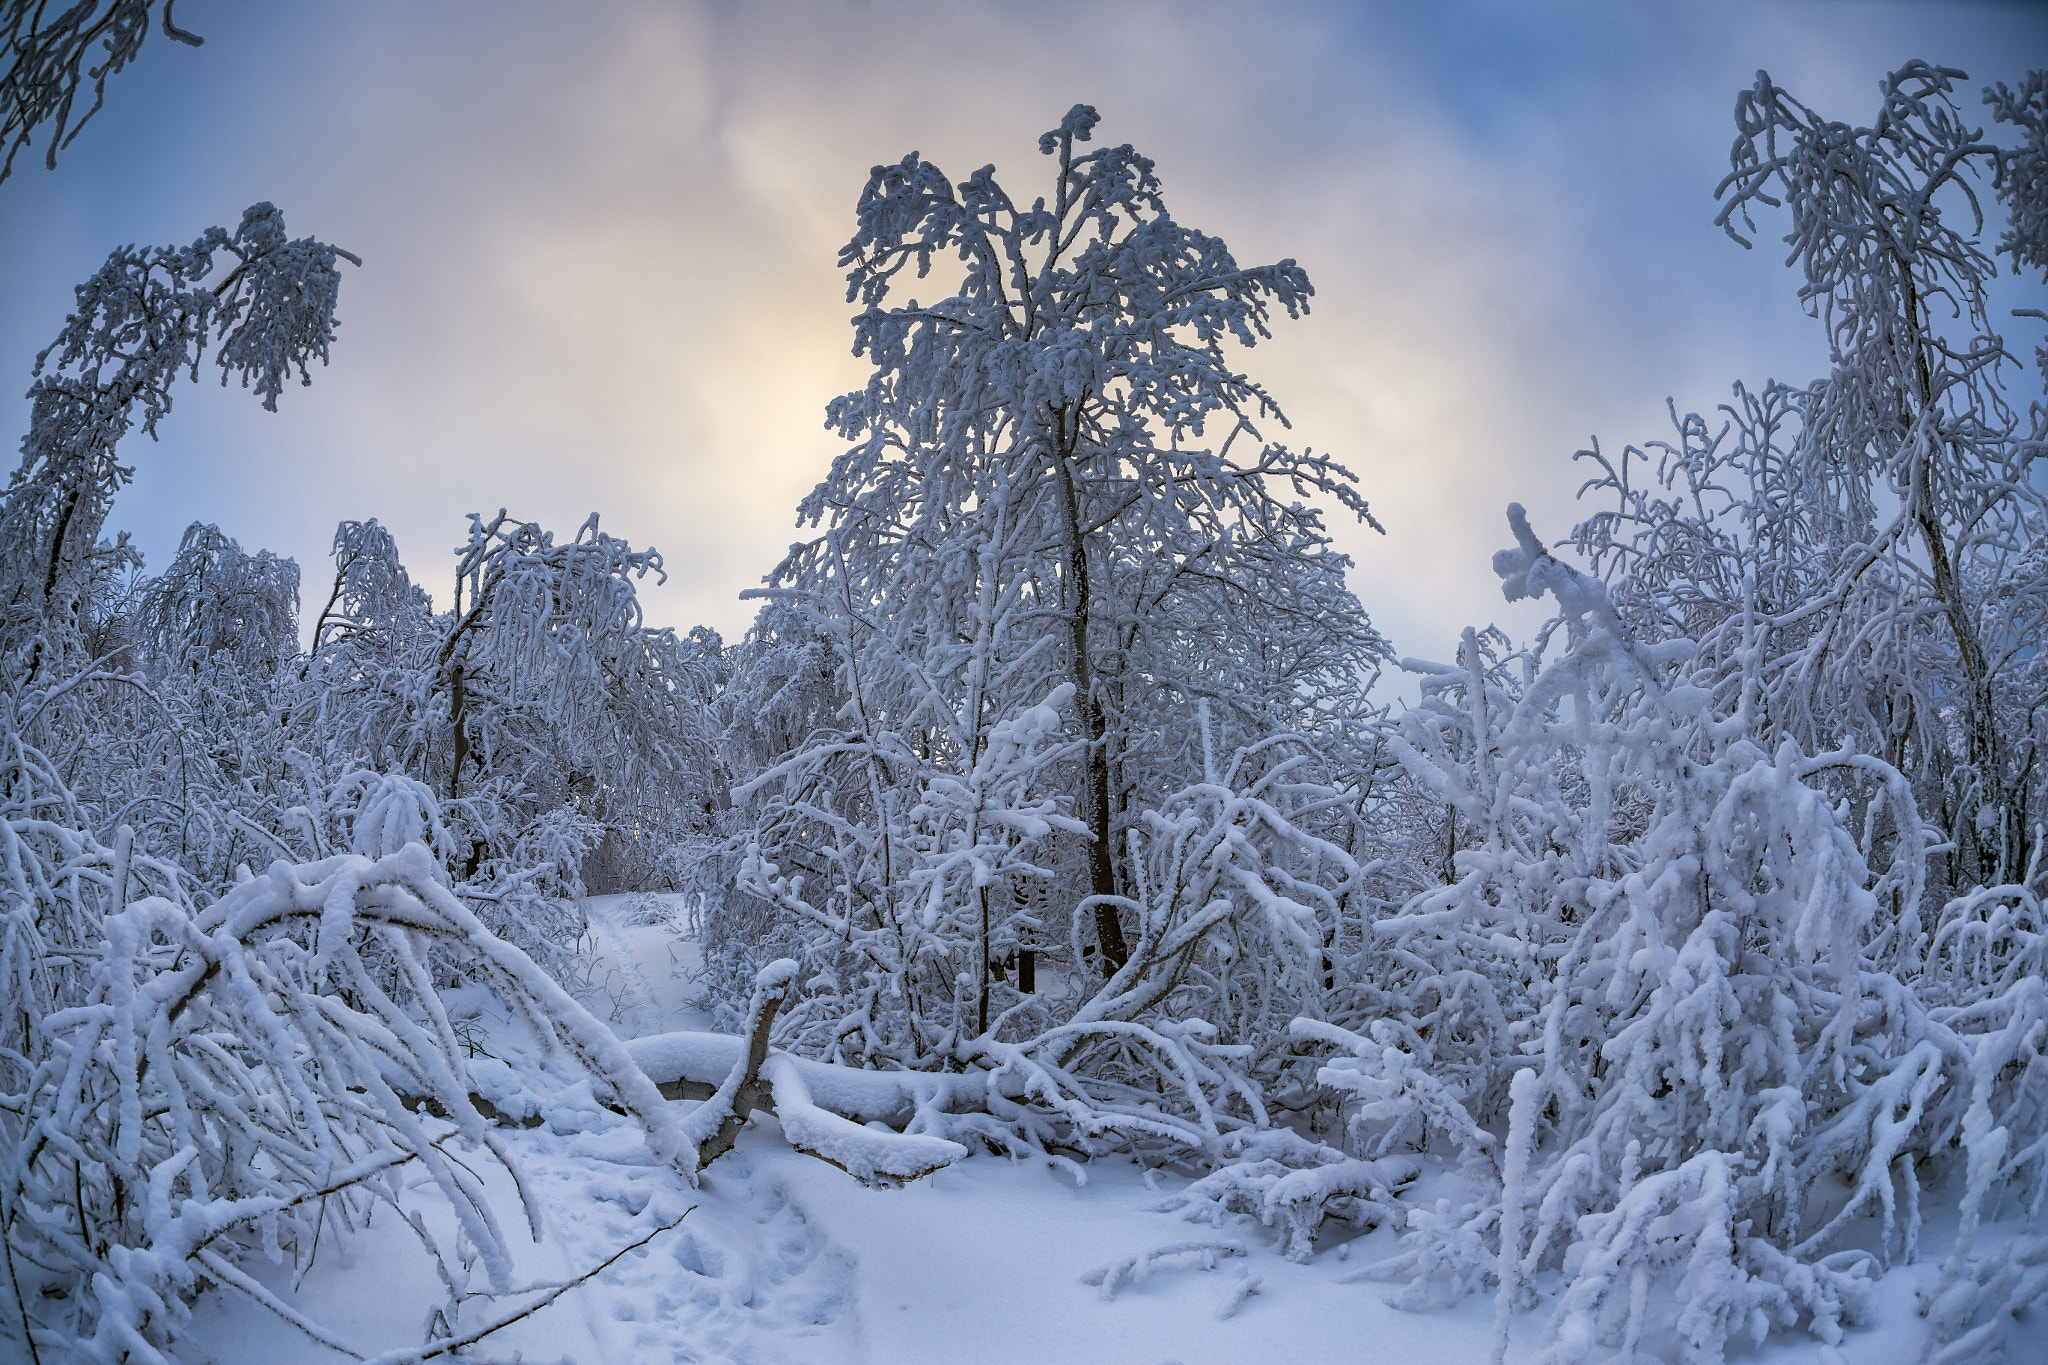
(598, 243)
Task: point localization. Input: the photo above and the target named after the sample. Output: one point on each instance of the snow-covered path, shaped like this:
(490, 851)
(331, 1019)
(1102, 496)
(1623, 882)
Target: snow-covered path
(787, 1260)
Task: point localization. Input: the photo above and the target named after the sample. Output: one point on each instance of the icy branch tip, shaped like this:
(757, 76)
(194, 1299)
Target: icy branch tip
(1513, 566)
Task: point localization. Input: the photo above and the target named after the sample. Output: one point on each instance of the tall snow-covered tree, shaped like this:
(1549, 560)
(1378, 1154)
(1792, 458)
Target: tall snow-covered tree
(1059, 485)
(1070, 675)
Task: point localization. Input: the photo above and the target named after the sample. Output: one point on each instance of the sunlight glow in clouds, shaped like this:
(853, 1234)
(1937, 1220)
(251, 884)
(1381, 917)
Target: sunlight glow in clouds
(599, 244)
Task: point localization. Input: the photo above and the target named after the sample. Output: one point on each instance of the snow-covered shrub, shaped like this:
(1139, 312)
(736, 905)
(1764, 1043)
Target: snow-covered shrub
(1232, 905)
(188, 1087)
(1657, 1005)
(1681, 960)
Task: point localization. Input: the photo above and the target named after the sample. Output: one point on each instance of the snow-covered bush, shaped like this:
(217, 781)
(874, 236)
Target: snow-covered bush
(189, 1087)
(1670, 1013)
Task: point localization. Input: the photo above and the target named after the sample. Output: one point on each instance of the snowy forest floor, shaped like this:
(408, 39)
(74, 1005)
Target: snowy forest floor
(784, 1258)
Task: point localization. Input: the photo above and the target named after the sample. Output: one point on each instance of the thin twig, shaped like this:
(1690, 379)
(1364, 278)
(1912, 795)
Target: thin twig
(28, 1330)
(224, 1271)
(415, 1355)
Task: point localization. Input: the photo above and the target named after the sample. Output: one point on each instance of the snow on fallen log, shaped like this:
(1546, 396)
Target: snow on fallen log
(867, 1154)
(688, 1065)
(1014, 1096)
(755, 1079)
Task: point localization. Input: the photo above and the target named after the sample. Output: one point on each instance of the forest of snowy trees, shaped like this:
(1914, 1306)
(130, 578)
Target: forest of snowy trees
(1690, 952)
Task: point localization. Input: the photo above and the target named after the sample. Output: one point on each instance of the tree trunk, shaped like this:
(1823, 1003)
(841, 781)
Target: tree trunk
(1109, 931)
(456, 697)
(1982, 726)
(981, 953)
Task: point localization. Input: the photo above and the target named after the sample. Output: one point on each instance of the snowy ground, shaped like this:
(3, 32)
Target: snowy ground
(783, 1258)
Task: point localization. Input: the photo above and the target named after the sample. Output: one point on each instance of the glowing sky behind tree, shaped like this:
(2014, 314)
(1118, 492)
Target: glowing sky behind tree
(599, 244)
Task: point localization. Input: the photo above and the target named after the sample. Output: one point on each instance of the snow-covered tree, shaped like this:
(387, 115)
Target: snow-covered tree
(1062, 577)
(1876, 535)
(220, 611)
(263, 302)
(1032, 448)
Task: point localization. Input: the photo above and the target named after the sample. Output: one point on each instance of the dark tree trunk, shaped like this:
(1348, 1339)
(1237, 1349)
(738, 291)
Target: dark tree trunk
(457, 722)
(1109, 931)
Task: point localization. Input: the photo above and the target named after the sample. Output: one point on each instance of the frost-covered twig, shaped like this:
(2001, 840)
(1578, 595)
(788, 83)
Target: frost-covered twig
(451, 1344)
(1122, 1273)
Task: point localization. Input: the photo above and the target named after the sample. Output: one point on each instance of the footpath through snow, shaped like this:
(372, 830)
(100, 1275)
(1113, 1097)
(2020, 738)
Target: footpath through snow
(780, 1257)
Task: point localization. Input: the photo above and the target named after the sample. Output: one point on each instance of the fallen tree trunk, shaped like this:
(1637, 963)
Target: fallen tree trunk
(887, 1126)
(691, 1066)
(822, 1109)
(828, 1125)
